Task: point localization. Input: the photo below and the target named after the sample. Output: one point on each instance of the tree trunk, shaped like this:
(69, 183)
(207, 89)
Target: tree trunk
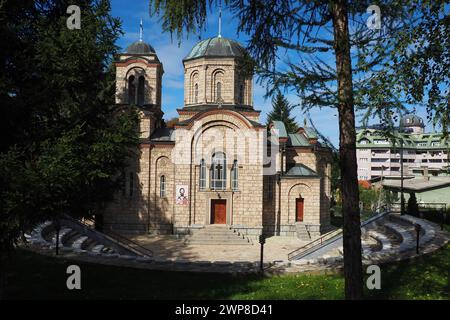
(347, 140)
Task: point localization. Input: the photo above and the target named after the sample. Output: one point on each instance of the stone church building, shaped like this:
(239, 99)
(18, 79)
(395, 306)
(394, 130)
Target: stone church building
(218, 165)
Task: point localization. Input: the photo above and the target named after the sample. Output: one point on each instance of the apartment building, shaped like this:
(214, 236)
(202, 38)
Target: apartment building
(423, 153)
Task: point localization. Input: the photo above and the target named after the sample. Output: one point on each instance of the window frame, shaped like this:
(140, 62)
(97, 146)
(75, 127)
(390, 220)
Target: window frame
(162, 186)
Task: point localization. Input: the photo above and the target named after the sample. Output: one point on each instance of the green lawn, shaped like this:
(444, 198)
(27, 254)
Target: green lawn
(32, 276)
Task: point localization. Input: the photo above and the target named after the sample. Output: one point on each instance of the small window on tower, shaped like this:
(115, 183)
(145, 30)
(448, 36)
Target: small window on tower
(131, 90)
(219, 91)
(162, 186)
(141, 90)
(196, 93)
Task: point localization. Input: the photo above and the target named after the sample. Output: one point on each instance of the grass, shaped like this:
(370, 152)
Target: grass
(32, 276)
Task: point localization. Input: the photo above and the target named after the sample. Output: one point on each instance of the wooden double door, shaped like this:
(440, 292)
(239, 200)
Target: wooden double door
(218, 211)
(299, 209)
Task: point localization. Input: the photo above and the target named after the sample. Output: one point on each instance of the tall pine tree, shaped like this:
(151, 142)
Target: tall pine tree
(64, 140)
(282, 112)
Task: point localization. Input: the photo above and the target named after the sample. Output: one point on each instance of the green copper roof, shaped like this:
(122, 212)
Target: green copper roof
(139, 47)
(425, 141)
(216, 47)
(298, 140)
(300, 170)
(311, 133)
(163, 134)
(279, 125)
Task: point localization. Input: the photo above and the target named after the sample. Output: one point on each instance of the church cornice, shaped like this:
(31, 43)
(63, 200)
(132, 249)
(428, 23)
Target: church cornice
(219, 111)
(129, 61)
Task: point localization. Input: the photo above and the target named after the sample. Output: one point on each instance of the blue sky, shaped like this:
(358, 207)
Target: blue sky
(171, 55)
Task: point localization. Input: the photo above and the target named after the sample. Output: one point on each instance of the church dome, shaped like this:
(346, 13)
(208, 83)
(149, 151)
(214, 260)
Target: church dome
(216, 47)
(139, 47)
(411, 120)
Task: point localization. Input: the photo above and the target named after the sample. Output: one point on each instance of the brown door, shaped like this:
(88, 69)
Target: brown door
(218, 211)
(300, 205)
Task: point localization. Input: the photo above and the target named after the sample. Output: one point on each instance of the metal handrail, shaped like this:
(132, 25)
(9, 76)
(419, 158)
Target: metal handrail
(319, 242)
(119, 238)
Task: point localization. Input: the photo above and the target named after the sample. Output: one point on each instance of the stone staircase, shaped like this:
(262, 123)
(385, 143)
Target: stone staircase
(302, 232)
(75, 237)
(216, 234)
(71, 240)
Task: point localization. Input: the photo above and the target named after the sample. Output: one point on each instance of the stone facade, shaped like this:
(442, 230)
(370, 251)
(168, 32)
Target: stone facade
(216, 157)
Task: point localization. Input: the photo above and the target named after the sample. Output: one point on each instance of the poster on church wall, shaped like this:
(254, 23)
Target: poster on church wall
(182, 195)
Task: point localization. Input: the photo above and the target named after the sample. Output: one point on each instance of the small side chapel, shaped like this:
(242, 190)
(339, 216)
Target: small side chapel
(218, 165)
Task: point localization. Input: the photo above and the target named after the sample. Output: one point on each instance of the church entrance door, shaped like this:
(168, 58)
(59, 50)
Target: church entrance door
(218, 211)
(300, 205)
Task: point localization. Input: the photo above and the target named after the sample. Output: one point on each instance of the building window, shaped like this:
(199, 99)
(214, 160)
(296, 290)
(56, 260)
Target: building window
(162, 186)
(131, 90)
(196, 93)
(219, 91)
(131, 184)
(234, 176)
(218, 171)
(141, 90)
(202, 180)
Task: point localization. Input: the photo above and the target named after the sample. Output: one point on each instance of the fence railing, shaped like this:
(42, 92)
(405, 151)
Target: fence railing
(328, 238)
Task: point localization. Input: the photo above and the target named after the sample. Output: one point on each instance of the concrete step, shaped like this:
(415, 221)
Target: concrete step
(214, 234)
(89, 244)
(98, 248)
(217, 238)
(62, 233)
(69, 238)
(215, 242)
(78, 243)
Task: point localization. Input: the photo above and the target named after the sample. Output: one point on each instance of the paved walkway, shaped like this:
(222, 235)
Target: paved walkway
(168, 247)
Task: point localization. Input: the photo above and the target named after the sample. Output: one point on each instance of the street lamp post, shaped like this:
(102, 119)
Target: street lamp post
(402, 197)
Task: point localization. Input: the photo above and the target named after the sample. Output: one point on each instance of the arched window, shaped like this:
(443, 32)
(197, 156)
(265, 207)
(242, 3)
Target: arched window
(219, 91)
(131, 90)
(162, 186)
(196, 93)
(202, 177)
(234, 176)
(218, 171)
(141, 90)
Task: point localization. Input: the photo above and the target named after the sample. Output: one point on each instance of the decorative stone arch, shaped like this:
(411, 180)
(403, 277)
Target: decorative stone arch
(298, 190)
(135, 85)
(217, 84)
(194, 81)
(204, 129)
(163, 167)
(220, 115)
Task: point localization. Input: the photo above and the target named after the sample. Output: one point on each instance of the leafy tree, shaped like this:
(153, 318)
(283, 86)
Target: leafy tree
(412, 206)
(301, 28)
(65, 141)
(282, 112)
(369, 197)
(417, 67)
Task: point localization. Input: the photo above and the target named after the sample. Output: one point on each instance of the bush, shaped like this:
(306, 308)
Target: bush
(412, 207)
